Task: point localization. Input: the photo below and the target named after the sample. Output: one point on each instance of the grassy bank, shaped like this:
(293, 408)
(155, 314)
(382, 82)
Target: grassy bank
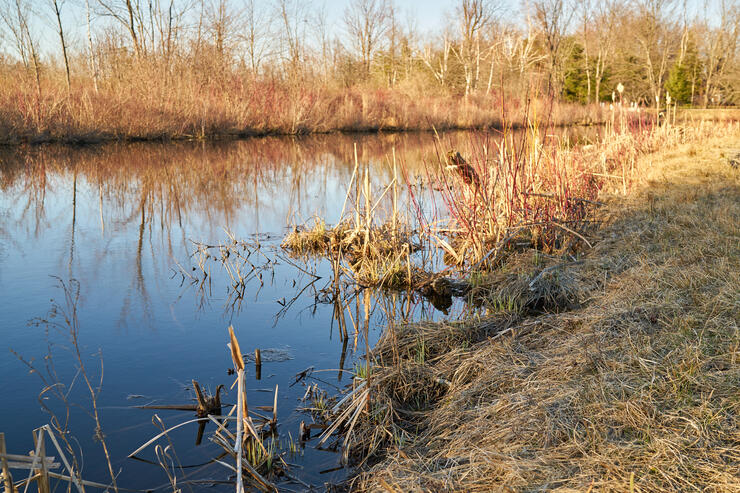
(627, 382)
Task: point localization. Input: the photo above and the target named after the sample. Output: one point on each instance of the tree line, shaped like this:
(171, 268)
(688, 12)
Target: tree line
(579, 50)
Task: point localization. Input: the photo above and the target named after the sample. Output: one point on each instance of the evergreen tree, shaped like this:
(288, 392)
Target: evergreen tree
(678, 84)
(684, 78)
(575, 83)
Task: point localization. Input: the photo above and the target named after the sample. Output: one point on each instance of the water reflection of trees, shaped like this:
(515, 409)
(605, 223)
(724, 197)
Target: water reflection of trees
(218, 178)
(215, 178)
(162, 192)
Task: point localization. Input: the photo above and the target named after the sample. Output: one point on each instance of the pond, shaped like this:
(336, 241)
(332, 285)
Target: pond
(120, 221)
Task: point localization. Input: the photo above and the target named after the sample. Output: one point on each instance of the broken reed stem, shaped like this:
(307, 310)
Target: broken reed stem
(395, 195)
(42, 478)
(242, 409)
(238, 360)
(274, 407)
(368, 208)
(357, 193)
(36, 454)
(356, 322)
(7, 478)
(199, 396)
(239, 430)
(367, 337)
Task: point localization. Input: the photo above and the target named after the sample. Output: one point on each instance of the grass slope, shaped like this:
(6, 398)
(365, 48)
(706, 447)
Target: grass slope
(638, 389)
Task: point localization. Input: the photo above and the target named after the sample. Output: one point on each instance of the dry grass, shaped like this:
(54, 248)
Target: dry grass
(141, 105)
(380, 258)
(538, 190)
(694, 115)
(636, 390)
(313, 241)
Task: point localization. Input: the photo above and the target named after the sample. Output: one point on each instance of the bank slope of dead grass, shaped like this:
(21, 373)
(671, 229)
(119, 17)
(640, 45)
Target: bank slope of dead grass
(637, 390)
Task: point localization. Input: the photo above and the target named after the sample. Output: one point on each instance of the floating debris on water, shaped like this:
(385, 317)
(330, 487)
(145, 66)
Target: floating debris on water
(272, 355)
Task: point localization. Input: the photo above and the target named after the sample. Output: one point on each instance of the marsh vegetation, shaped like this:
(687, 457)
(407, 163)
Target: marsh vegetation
(378, 248)
(545, 300)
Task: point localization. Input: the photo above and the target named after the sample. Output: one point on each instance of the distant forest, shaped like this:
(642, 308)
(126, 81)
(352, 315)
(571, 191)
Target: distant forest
(286, 56)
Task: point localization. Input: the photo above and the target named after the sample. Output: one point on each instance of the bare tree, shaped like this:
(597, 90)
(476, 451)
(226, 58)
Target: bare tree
(586, 17)
(57, 4)
(324, 42)
(474, 15)
(255, 34)
(126, 14)
(293, 18)
(519, 54)
(223, 21)
(393, 35)
(721, 44)
(553, 18)
(9, 14)
(605, 14)
(16, 15)
(167, 20)
(655, 33)
(155, 27)
(597, 32)
(90, 52)
(366, 22)
(438, 62)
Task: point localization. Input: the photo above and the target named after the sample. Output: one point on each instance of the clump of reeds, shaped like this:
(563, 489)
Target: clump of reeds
(378, 257)
(347, 239)
(376, 254)
(532, 190)
(527, 193)
(315, 240)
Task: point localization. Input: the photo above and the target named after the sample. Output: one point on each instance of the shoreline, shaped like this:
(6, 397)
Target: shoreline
(590, 395)
(87, 141)
(102, 138)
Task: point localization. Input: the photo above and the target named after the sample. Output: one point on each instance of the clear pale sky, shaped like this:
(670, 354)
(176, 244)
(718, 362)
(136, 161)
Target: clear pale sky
(428, 15)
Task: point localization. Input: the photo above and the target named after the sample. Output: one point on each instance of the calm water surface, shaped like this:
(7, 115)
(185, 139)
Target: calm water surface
(120, 220)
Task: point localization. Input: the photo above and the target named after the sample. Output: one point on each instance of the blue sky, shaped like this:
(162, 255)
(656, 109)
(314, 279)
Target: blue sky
(428, 16)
